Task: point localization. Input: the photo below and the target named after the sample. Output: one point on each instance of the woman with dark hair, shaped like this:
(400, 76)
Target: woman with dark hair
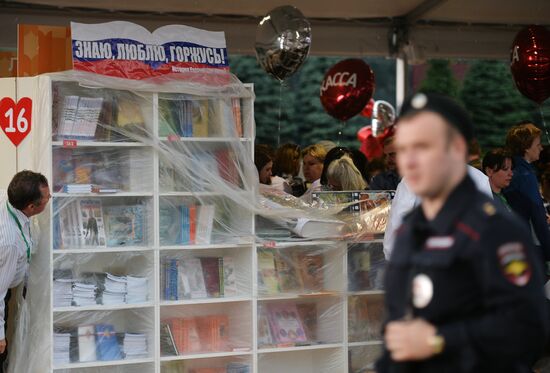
(497, 165)
(286, 166)
(264, 163)
(524, 143)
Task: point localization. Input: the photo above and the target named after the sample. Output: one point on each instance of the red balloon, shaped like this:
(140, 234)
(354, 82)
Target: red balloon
(363, 133)
(367, 111)
(346, 88)
(530, 62)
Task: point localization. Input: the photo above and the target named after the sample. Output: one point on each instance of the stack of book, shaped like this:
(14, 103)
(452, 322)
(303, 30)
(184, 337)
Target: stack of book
(135, 346)
(84, 294)
(78, 117)
(86, 343)
(62, 292)
(136, 289)
(61, 348)
(114, 289)
(192, 278)
(77, 188)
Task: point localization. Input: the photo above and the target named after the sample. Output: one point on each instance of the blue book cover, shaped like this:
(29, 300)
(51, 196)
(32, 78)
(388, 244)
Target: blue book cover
(237, 368)
(173, 279)
(107, 346)
(185, 225)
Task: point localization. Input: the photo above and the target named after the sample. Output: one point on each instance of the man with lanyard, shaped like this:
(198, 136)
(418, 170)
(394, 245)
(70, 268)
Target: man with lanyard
(464, 291)
(28, 195)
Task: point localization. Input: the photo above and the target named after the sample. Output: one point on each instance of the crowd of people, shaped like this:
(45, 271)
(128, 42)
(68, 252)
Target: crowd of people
(519, 178)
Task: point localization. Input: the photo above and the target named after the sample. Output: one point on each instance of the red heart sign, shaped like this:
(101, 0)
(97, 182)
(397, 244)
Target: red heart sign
(15, 119)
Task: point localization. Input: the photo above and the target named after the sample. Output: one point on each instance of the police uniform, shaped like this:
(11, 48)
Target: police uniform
(471, 272)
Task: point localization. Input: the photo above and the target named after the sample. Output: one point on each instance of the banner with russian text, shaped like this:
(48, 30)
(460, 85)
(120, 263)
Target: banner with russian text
(126, 50)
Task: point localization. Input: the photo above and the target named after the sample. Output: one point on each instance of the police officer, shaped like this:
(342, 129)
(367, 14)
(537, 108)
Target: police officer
(464, 289)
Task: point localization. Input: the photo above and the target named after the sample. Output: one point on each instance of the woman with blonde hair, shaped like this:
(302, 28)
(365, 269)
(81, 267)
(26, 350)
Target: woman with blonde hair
(343, 175)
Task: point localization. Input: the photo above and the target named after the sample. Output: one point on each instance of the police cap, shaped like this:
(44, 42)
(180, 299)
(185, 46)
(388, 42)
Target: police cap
(449, 109)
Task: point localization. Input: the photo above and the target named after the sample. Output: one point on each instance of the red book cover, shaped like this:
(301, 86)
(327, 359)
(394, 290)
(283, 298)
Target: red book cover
(227, 167)
(211, 273)
(192, 224)
(192, 341)
(237, 116)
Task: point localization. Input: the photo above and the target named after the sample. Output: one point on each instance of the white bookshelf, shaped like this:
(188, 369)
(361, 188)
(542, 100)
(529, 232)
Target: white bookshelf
(329, 353)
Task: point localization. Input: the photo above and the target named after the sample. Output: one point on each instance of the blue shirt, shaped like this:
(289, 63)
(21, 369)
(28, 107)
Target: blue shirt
(525, 182)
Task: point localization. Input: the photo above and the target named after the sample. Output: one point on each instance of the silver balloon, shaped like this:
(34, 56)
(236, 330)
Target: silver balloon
(283, 39)
(383, 116)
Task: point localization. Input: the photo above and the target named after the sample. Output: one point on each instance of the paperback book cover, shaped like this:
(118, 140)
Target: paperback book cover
(125, 225)
(211, 273)
(93, 225)
(288, 273)
(311, 270)
(107, 343)
(192, 279)
(286, 326)
(268, 281)
(167, 343)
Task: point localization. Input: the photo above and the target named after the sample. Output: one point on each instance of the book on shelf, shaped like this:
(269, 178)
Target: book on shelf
(268, 280)
(316, 228)
(298, 271)
(125, 225)
(183, 116)
(229, 281)
(78, 117)
(200, 334)
(308, 315)
(227, 163)
(130, 121)
(107, 346)
(186, 224)
(288, 272)
(238, 368)
(366, 263)
(366, 315)
(167, 342)
(91, 213)
(311, 270)
(86, 343)
(211, 273)
(286, 326)
(237, 115)
(192, 279)
(134, 346)
(265, 338)
(204, 224)
(198, 277)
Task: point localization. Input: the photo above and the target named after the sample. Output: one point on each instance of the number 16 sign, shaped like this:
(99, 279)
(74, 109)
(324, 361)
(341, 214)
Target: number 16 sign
(15, 118)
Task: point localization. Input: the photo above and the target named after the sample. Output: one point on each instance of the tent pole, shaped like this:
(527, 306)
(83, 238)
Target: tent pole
(401, 79)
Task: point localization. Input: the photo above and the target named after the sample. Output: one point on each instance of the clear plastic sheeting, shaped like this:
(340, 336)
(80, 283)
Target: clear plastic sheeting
(161, 252)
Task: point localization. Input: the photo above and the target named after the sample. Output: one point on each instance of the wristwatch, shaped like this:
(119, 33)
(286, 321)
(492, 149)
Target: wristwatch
(437, 343)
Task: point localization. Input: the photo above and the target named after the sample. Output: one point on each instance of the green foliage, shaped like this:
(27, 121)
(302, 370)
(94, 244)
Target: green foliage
(440, 79)
(494, 102)
(303, 119)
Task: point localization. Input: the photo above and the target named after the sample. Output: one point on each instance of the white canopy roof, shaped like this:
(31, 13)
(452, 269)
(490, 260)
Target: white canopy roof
(428, 28)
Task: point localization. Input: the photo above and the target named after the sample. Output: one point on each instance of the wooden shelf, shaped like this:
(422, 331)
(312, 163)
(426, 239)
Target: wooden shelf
(93, 364)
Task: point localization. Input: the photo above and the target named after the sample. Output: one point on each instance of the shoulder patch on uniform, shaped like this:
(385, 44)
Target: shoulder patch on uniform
(513, 263)
(489, 208)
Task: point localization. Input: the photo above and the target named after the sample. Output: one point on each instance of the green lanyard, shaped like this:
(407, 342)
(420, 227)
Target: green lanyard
(21, 230)
(504, 201)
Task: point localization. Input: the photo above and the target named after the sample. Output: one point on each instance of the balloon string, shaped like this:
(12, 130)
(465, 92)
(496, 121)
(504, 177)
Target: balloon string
(544, 124)
(340, 130)
(280, 114)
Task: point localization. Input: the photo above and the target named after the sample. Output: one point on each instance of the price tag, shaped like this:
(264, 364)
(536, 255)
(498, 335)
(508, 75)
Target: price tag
(173, 138)
(16, 118)
(70, 143)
